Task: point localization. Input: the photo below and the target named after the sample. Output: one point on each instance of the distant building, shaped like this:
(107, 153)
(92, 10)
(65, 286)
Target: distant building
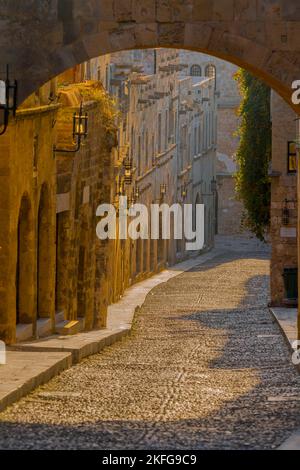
(229, 210)
(169, 129)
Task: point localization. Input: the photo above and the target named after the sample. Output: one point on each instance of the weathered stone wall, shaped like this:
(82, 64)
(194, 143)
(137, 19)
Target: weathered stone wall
(84, 180)
(27, 206)
(284, 186)
(52, 260)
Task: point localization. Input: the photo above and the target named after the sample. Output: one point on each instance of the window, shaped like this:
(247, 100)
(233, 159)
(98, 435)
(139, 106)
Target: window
(159, 134)
(195, 142)
(205, 133)
(171, 127)
(166, 130)
(292, 158)
(196, 71)
(139, 155)
(147, 148)
(210, 71)
(199, 138)
(132, 142)
(153, 153)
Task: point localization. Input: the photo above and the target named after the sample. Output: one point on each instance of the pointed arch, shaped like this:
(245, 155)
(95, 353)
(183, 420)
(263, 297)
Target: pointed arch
(25, 282)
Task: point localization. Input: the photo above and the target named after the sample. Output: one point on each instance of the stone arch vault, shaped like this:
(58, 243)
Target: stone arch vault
(42, 38)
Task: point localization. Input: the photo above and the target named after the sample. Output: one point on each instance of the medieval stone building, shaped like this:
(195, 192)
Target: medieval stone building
(28, 195)
(283, 233)
(154, 144)
(168, 129)
(229, 209)
(53, 262)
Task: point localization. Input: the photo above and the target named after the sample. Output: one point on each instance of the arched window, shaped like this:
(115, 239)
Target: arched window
(210, 71)
(196, 71)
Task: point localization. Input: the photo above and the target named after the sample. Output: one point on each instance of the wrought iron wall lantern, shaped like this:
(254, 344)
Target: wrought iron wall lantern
(8, 100)
(214, 186)
(136, 193)
(131, 200)
(184, 192)
(292, 156)
(285, 217)
(119, 193)
(128, 166)
(80, 131)
(163, 190)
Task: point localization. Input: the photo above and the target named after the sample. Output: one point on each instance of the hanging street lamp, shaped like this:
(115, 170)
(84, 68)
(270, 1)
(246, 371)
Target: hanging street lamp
(80, 131)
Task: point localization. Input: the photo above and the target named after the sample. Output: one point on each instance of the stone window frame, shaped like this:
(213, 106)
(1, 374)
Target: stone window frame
(196, 70)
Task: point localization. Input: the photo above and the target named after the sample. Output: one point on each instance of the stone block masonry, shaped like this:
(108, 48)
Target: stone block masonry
(284, 187)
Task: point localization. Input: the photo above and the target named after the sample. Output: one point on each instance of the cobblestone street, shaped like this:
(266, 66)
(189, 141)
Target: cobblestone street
(205, 368)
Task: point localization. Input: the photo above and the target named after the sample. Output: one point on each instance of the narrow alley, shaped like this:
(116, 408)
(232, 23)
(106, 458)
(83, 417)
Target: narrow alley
(205, 368)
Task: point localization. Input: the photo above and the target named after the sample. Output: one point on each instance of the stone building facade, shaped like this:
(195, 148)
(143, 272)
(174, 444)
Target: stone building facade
(283, 233)
(229, 209)
(83, 182)
(156, 144)
(197, 149)
(28, 219)
(54, 276)
(168, 126)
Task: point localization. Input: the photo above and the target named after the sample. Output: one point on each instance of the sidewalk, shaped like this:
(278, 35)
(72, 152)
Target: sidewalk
(31, 364)
(287, 321)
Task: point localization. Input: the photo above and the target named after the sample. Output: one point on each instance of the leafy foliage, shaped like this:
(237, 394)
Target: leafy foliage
(254, 153)
(94, 91)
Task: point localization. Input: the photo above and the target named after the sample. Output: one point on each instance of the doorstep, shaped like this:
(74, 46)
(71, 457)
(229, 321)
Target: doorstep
(79, 345)
(33, 363)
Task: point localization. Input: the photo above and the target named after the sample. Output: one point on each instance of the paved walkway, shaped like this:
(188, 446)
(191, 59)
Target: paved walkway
(206, 367)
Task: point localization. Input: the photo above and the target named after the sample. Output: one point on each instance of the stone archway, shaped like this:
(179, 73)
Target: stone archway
(40, 40)
(25, 282)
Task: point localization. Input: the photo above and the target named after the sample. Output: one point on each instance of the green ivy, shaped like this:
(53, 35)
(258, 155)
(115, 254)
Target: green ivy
(254, 153)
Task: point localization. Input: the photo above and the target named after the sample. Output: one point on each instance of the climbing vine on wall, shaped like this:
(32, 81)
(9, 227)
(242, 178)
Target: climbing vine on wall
(254, 153)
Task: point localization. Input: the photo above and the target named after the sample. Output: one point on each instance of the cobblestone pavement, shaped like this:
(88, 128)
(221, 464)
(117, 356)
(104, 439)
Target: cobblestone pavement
(205, 368)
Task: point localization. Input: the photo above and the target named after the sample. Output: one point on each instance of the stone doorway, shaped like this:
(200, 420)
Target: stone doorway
(25, 265)
(44, 256)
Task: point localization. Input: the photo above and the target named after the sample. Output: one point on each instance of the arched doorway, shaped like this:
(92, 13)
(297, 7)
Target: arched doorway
(44, 239)
(82, 275)
(25, 285)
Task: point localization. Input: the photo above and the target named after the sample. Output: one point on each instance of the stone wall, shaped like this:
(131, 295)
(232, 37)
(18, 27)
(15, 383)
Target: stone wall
(55, 272)
(284, 187)
(28, 191)
(84, 181)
